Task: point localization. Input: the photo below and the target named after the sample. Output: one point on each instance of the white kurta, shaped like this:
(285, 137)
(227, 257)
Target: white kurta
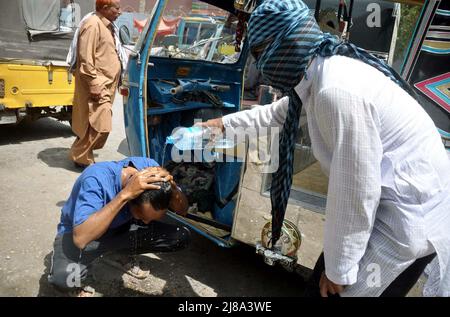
(388, 197)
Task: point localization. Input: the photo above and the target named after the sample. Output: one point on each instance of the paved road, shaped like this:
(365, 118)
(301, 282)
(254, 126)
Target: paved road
(36, 178)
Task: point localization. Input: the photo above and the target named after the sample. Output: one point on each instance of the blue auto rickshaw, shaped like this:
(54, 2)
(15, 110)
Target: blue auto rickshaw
(171, 82)
(152, 111)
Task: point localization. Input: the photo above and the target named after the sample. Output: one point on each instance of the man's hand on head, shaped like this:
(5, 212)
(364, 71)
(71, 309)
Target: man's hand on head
(179, 202)
(161, 172)
(141, 181)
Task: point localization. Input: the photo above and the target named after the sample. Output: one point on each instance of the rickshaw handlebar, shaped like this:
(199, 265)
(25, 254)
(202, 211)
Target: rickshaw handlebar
(193, 86)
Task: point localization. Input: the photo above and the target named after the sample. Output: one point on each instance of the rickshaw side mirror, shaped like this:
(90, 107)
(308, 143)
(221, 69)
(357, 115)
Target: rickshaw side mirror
(124, 35)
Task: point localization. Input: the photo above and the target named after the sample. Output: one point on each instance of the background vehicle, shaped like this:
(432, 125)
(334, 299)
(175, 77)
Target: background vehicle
(237, 206)
(427, 63)
(35, 37)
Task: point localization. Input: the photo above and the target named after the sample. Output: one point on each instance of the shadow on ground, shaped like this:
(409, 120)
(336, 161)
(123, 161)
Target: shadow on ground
(45, 128)
(111, 286)
(123, 148)
(202, 269)
(58, 158)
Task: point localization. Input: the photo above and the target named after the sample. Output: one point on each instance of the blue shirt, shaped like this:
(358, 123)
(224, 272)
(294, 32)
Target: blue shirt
(96, 187)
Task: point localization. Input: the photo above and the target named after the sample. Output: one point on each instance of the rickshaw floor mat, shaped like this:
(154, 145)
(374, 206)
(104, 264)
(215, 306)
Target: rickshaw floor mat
(196, 180)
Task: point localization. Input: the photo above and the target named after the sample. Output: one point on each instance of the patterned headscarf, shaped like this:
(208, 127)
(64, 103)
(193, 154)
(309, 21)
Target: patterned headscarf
(290, 36)
(284, 37)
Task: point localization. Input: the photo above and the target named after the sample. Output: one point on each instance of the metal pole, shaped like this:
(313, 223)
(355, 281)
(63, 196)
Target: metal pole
(141, 6)
(316, 13)
(350, 11)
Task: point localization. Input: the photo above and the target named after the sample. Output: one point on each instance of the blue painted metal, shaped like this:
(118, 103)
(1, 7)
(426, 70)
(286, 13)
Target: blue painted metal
(159, 75)
(133, 113)
(200, 70)
(225, 74)
(160, 94)
(134, 108)
(444, 133)
(231, 172)
(224, 243)
(225, 215)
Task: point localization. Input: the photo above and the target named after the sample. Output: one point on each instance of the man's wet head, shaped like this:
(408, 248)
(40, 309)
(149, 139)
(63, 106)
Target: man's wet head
(152, 204)
(110, 9)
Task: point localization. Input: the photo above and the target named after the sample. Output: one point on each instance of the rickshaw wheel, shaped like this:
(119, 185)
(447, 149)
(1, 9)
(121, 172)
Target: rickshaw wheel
(289, 241)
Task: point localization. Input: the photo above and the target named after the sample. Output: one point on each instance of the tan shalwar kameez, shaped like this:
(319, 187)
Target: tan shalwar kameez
(98, 64)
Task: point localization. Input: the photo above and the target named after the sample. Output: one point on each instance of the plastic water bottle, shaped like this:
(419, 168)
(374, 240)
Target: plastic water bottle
(187, 138)
(197, 138)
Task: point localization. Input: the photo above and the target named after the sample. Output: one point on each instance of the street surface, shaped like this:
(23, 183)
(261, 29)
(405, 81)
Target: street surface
(36, 180)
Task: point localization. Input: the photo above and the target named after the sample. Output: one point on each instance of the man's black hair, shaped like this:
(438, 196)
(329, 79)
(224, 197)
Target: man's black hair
(158, 198)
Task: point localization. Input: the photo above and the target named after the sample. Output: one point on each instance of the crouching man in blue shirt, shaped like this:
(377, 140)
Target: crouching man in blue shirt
(106, 199)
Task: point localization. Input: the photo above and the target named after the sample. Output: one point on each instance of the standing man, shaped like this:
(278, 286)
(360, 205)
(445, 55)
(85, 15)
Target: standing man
(388, 202)
(97, 72)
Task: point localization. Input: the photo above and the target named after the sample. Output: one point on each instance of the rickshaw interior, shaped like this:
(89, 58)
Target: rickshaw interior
(208, 76)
